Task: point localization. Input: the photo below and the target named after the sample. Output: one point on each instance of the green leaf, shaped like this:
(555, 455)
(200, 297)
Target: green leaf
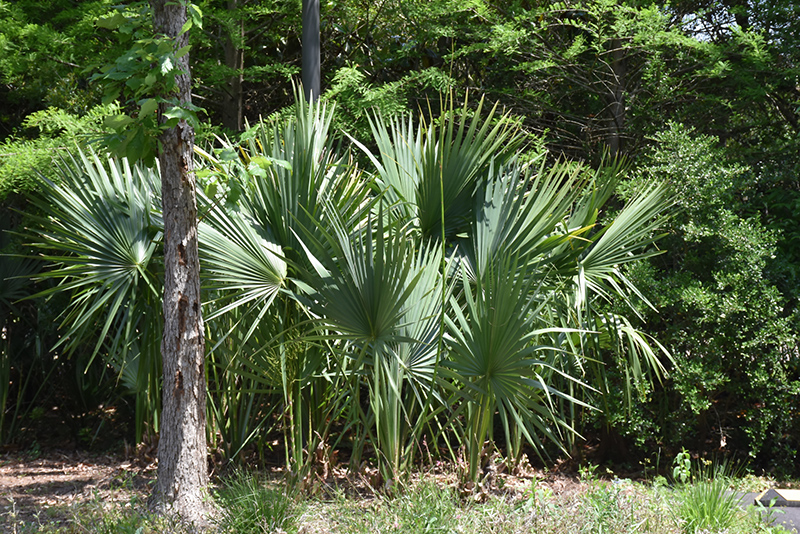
(256, 170)
(186, 26)
(196, 15)
(211, 189)
(227, 154)
(136, 147)
(177, 113)
(117, 122)
(111, 23)
(182, 51)
(148, 106)
(265, 161)
(262, 162)
(134, 83)
(166, 65)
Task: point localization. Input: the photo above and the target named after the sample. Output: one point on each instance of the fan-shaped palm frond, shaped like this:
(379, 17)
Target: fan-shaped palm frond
(433, 171)
(103, 231)
(523, 213)
(242, 263)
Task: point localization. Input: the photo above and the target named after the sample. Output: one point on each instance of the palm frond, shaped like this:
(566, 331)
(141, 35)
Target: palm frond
(103, 229)
(103, 232)
(436, 169)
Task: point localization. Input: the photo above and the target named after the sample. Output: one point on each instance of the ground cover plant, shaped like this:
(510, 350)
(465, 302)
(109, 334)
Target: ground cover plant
(530, 500)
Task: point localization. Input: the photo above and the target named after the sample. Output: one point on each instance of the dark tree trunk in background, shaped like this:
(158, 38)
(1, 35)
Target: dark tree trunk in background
(234, 59)
(311, 49)
(182, 464)
(616, 99)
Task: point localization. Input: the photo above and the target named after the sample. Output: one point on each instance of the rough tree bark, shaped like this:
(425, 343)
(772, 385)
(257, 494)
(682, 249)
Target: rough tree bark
(182, 463)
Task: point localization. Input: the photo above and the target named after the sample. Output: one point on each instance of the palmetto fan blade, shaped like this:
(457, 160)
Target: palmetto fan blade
(610, 339)
(522, 213)
(103, 225)
(455, 162)
(437, 168)
(103, 231)
(632, 229)
(365, 279)
(287, 197)
(242, 263)
(287, 173)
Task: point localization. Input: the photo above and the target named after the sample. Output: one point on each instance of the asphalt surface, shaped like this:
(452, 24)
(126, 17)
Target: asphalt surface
(788, 516)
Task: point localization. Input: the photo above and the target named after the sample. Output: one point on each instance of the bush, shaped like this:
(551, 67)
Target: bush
(23, 160)
(726, 322)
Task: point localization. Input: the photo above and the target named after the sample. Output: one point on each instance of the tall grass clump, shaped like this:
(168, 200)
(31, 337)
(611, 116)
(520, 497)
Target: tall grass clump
(708, 503)
(98, 516)
(424, 508)
(247, 505)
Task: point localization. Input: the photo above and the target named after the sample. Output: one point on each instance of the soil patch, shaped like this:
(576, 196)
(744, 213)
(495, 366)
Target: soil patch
(45, 489)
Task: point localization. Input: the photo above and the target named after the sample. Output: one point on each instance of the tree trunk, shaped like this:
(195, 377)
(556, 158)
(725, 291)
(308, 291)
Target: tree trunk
(311, 50)
(182, 463)
(616, 99)
(234, 59)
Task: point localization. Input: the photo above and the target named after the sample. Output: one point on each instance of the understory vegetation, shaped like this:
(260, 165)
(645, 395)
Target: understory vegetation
(449, 297)
(534, 502)
(507, 234)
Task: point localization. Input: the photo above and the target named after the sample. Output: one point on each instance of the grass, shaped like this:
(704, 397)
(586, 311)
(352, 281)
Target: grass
(252, 503)
(708, 505)
(248, 504)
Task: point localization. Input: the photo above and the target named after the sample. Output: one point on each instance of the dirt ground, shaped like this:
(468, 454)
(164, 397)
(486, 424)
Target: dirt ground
(45, 488)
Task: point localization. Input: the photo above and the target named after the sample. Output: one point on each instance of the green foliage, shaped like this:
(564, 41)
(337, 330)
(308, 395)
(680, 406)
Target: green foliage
(130, 517)
(708, 504)
(248, 505)
(249, 502)
(424, 509)
(721, 314)
(682, 467)
(24, 160)
(44, 47)
(287, 180)
(606, 509)
(29, 328)
(356, 98)
(17, 376)
(145, 77)
(585, 77)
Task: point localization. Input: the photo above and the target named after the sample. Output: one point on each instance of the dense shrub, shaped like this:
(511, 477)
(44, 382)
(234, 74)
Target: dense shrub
(721, 312)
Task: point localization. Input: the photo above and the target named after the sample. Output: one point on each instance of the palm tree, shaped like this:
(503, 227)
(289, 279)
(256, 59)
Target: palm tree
(532, 258)
(448, 286)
